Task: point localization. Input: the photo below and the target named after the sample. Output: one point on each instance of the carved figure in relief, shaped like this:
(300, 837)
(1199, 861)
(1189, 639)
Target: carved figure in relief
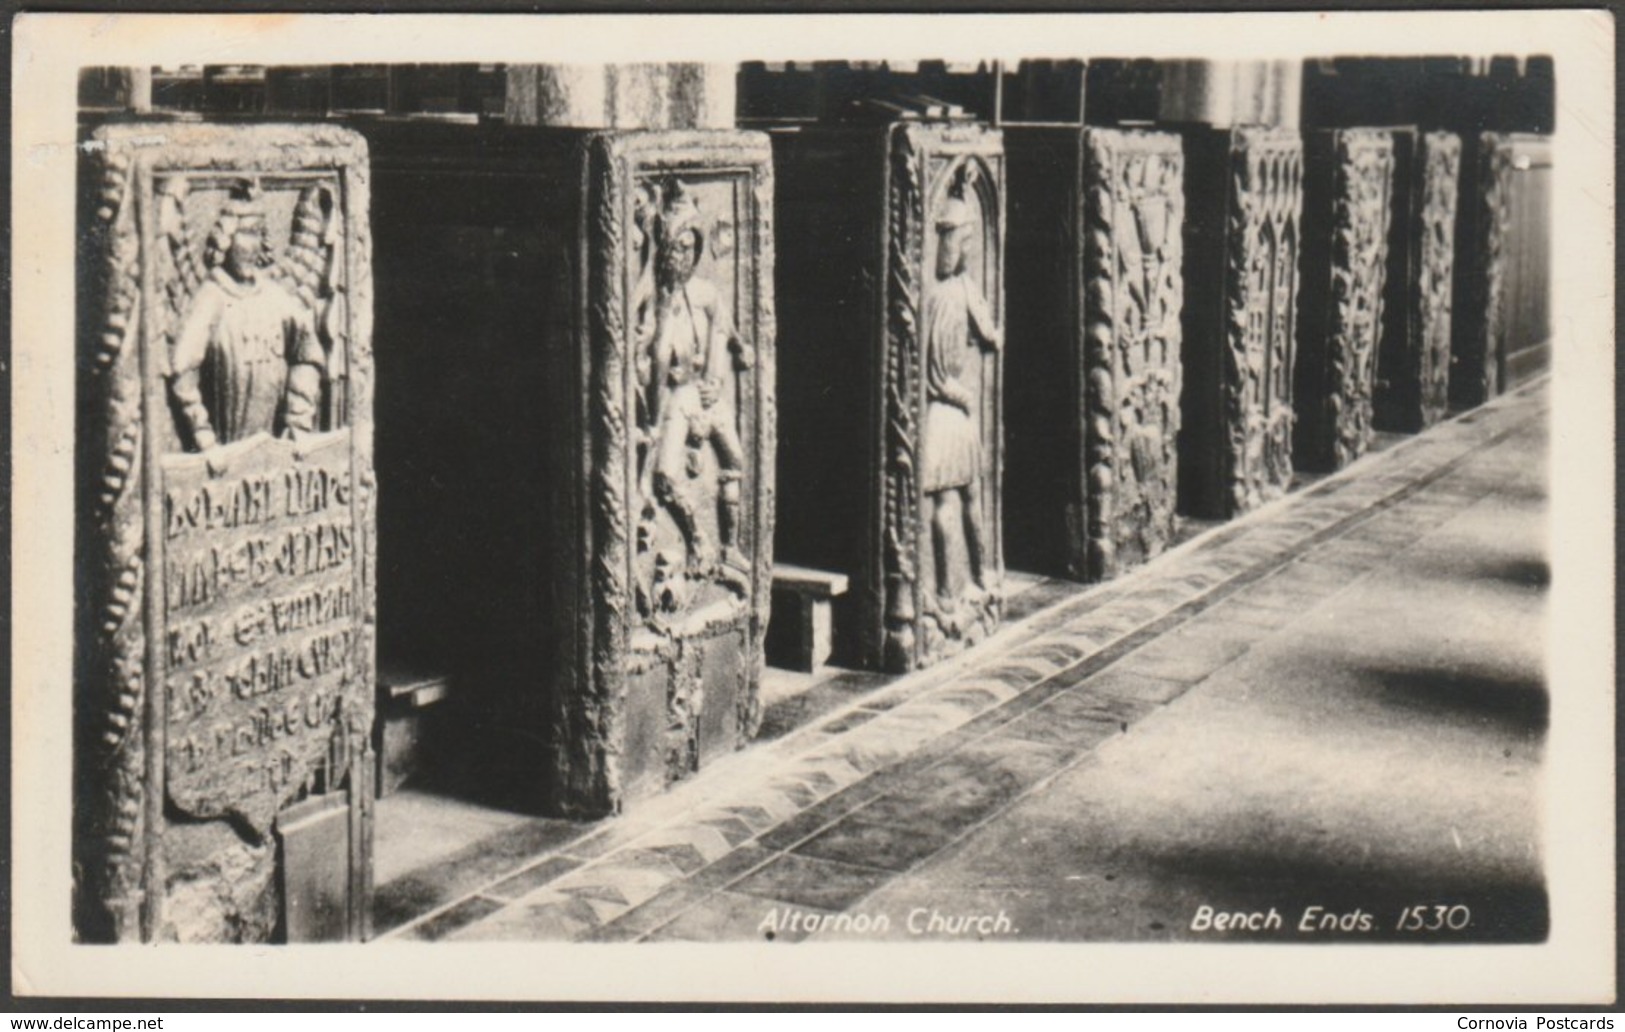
(688, 352)
(246, 358)
(312, 268)
(957, 317)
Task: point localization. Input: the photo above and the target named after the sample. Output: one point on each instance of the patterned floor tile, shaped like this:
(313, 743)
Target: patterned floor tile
(1090, 642)
(847, 721)
(856, 841)
(449, 921)
(1076, 733)
(1009, 674)
(809, 822)
(552, 921)
(605, 910)
(998, 689)
(729, 917)
(707, 841)
(1084, 703)
(658, 910)
(828, 760)
(1137, 612)
(755, 816)
(810, 882)
(941, 802)
(1037, 659)
(730, 827)
(967, 698)
(1166, 594)
(821, 782)
(600, 893)
(799, 794)
(923, 716)
(533, 877)
(873, 752)
(619, 880)
(1058, 653)
(682, 857)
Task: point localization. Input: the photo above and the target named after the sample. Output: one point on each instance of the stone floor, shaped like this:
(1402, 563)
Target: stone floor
(1337, 702)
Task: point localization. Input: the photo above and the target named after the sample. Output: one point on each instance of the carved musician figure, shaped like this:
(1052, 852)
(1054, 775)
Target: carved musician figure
(687, 349)
(955, 311)
(247, 358)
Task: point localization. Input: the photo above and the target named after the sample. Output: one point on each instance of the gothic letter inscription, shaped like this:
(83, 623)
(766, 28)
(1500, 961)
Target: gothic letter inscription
(231, 542)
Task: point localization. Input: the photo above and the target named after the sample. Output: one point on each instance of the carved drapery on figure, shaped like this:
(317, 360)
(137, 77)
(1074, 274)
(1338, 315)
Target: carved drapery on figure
(226, 653)
(941, 560)
(1133, 292)
(893, 302)
(677, 358)
(1348, 189)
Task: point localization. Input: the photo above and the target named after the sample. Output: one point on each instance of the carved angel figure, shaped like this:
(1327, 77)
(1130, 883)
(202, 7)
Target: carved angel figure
(246, 357)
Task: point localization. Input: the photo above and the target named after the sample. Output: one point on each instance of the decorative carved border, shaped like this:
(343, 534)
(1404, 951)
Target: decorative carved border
(1107, 452)
(1364, 162)
(110, 823)
(119, 865)
(595, 713)
(899, 399)
(1440, 170)
(1266, 197)
(911, 146)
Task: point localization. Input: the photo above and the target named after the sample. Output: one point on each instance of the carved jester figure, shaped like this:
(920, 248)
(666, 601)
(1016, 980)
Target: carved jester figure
(688, 352)
(957, 319)
(246, 358)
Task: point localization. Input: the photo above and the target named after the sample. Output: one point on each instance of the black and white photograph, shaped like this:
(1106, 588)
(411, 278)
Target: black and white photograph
(961, 508)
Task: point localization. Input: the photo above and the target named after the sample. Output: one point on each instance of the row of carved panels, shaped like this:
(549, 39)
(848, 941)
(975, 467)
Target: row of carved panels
(235, 348)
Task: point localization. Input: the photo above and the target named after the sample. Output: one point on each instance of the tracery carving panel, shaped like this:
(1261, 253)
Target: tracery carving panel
(1263, 234)
(1346, 258)
(1133, 293)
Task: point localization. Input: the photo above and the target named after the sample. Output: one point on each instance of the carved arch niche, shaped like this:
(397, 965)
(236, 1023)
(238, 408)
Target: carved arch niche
(1348, 196)
(1240, 321)
(941, 564)
(955, 591)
